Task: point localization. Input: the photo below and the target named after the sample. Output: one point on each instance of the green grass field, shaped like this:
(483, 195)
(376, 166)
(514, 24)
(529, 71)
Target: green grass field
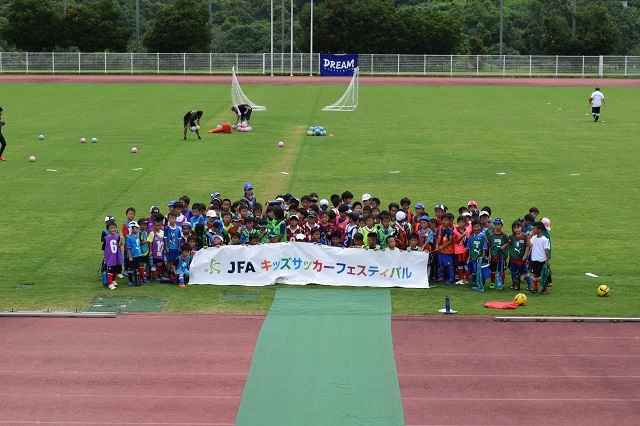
(448, 144)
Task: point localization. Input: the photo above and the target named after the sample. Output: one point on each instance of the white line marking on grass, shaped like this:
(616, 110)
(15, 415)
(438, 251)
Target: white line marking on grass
(284, 173)
(51, 170)
(589, 274)
(575, 174)
(395, 171)
(137, 168)
(501, 173)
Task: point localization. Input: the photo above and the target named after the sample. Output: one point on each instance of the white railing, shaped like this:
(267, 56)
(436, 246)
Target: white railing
(300, 64)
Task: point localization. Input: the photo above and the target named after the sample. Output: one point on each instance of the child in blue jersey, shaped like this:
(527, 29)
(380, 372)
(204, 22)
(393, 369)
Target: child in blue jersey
(172, 235)
(316, 237)
(134, 253)
(180, 266)
(335, 240)
(477, 246)
(351, 228)
(249, 197)
(197, 215)
(144, 248)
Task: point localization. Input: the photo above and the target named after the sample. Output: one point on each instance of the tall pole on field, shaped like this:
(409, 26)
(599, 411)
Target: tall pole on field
(210, 24)
(271, 38)
(574, 16)
(64, 6)
(311, 43)
(138, 26)
(291, 42)
(282, 41)
(501, 23)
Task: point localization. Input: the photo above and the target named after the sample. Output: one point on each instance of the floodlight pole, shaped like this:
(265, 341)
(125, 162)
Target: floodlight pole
(501, 23)
(271, 38)
(282, 42)
(138, 26)
(291, 60)
(311, 43)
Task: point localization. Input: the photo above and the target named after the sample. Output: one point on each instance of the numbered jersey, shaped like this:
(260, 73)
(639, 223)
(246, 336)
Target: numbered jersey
(157, 244)
(476, 244)
(112, 250)
(517, 246)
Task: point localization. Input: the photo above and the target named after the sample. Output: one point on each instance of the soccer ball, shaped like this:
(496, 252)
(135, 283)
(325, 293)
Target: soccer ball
(94, 140)
(134, 150)
(309, 132)
(520, 299)
(198, 128)
(82, 140)
(280, 144)
(32, 159)
(193, 128)
(41, 137)
(603, 290)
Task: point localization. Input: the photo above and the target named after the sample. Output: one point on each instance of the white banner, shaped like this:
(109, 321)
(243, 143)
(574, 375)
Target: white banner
(306, 263)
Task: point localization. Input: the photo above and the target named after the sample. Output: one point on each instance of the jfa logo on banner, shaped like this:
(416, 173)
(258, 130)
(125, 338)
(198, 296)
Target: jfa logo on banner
(338, 65)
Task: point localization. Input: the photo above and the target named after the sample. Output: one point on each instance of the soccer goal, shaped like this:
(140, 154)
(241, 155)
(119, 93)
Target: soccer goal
(237, 95)
(349, 100)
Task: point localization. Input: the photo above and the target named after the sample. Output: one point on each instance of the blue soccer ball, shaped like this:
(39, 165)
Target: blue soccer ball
(193, 128)
(317, 132)
(323, 133)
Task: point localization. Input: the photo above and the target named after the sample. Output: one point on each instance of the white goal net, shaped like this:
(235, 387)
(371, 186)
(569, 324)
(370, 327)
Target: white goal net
(237, 95)
(349, 100)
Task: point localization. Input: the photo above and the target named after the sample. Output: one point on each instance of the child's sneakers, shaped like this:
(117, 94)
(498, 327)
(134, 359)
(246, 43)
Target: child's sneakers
(145, 280)
(461, 282)
(120, 276)
(182, 285)
(112, 286)
(499, 287)
(492, 285)
(132, 284)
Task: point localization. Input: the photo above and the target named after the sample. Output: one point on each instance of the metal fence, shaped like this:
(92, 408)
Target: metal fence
(307, 64)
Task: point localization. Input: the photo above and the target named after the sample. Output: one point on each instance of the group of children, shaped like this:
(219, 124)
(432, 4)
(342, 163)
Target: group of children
(472, 245)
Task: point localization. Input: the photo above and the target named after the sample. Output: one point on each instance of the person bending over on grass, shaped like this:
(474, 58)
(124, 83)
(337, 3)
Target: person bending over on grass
(3, 143)
(191, 119)
(243, 113)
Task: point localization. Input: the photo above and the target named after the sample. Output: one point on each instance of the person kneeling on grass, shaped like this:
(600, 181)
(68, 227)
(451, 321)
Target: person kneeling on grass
(192, 119)
(181, 265)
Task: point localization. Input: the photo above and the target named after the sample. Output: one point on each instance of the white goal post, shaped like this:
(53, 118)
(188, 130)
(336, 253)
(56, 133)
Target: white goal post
(349, 100)
(237, 95)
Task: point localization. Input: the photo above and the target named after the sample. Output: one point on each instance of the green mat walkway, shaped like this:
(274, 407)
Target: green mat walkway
(324, 357)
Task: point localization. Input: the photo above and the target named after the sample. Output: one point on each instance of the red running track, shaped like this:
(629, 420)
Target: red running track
(191, 369)
(478, 371)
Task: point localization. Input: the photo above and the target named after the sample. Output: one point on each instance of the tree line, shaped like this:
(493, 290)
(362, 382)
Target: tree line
(536, 27)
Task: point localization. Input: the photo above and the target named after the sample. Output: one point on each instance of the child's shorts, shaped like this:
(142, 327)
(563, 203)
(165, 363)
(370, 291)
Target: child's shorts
(473, 266)
(536, 267)
(461, 259)
(173, 254)
(495, 261)
(182, 271)
(445, 259)
(520, 268)
(157, 260)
